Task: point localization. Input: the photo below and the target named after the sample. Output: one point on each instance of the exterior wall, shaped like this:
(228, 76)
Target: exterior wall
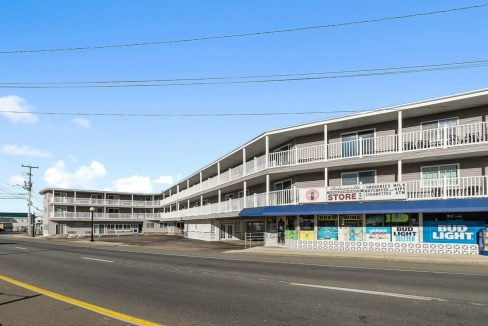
(384, 174)
(381, 129)
(201, 230)
(469, 167)
(466, 116)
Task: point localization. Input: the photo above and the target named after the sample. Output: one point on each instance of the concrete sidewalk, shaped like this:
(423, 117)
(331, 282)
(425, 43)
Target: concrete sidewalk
(368, 256)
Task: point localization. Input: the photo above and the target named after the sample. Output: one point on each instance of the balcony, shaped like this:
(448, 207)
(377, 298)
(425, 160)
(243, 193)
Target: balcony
(103, 216)
(103, 202)
(445, 137)
(453, 188)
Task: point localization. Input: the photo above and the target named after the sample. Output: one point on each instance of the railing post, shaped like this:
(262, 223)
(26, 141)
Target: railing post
(267, 189)
(326, 137)
(400, 132)
(244, 159)
(255, 200)
(445, 187)
(444, 144)
(219, 199)
(266, 139)
(244, 204)
(295, 154)
(360, 145)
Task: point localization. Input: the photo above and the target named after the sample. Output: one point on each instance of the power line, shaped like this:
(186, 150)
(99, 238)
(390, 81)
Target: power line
(448, 64)
(260, 33)
(306, 76)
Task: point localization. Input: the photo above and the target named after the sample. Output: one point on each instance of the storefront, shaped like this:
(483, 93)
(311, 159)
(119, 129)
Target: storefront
(447, 226)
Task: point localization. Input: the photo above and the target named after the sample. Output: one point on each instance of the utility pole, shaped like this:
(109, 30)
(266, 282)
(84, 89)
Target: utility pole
(28, 186)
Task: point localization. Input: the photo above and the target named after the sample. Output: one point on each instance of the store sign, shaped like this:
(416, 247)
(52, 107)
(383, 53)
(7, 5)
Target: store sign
(378, 233)
(405, 234)
(365, 192)
(452, 231)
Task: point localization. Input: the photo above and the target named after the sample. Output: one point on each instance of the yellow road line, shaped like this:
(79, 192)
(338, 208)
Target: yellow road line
(82, 304)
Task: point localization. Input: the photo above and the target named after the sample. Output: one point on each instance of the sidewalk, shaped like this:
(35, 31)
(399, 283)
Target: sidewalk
(368, 256)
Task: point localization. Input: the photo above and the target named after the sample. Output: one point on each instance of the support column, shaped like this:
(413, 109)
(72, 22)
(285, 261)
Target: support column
(244, 159)
(244, 196)
(187, 183)
(188, 204)
(219, 198)
(267, 189)
(218, 172)
(326, 140)
(132, 206)
(266, 139)
(400, 171)
(421, 227)
(74, 201)
(326, 177)
(201, 200)
(201, 177)
(400, 132)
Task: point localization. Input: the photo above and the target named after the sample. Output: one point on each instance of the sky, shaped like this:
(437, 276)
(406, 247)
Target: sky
(148, 154)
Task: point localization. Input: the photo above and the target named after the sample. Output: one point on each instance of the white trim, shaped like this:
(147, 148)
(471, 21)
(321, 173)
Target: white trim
(357, 178)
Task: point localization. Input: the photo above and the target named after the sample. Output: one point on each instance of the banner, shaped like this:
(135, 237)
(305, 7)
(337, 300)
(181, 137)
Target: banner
(351, 233)
(364, 192)
(378, 233)
(452, 231)
(292, 235)
(405, 234)
(328, 233)
(307, 235)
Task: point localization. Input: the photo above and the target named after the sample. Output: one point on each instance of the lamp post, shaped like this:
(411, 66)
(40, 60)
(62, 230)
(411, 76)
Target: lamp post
(92, 209)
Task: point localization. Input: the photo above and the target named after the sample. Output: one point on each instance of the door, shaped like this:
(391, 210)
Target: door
(226, 231)
(230, 231)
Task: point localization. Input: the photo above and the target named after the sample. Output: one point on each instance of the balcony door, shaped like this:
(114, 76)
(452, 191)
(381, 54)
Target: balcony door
(358, 143)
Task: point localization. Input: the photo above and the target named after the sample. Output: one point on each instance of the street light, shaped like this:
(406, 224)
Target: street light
(92, 209)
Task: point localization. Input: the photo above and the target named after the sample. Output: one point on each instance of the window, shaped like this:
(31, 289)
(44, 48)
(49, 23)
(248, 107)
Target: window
(60, 209)
(112, 210)
(358, 142)
(433, 176)
(360, 177)
(96, 196)
(228, 196)
(150, 225)
(60, 194)
(240, 194)
(286, 184)
(434, 130)
(113, 197)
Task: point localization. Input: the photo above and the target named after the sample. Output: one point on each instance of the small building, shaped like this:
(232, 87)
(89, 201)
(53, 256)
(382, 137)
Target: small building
(13, 222)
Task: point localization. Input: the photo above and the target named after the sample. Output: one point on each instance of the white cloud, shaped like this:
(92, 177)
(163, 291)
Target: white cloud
(23, 151)
(82, 122)
(135, 183)
(83, 177)
(17, 104)
(16, 180)
(164, 180)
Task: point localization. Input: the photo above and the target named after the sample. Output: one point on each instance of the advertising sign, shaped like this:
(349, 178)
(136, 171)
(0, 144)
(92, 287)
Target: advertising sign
(452, 231)
(292, 235)
(364, 192)
(311, 195)
(378, 233)
(351, 233)
(327, 233)
(307, 235)
(405, 234)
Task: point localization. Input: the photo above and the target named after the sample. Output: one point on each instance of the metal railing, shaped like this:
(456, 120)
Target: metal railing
(115, 216)
(249, 237)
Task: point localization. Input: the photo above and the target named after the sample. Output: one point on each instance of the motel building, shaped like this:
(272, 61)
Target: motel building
(408, 178)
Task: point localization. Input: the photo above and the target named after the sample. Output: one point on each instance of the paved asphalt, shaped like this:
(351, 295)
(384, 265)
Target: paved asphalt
(177, 289)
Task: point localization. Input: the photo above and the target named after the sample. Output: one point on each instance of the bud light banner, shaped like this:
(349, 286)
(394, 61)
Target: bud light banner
(452, 231)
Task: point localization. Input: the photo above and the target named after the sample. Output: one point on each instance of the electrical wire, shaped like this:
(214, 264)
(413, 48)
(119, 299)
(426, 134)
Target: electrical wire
(337, 72)
(274, 80)
(249, 34)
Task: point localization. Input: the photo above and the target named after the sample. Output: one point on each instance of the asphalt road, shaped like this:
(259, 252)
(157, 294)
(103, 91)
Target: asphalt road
(178, 289)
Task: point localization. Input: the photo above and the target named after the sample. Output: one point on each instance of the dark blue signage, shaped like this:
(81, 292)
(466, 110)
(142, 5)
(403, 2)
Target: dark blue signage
(452, 231)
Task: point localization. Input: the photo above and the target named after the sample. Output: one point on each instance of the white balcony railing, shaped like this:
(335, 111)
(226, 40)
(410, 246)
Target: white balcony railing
(408, 141)
(464, 187)
(108, 216)
(106, 202)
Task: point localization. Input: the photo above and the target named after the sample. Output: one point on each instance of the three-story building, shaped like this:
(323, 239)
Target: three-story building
(405, 178)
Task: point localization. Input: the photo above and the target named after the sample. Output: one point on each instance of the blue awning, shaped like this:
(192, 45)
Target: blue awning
(414, 206)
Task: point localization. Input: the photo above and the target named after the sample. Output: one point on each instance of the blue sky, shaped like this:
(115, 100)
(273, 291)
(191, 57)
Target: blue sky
(121, 153)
